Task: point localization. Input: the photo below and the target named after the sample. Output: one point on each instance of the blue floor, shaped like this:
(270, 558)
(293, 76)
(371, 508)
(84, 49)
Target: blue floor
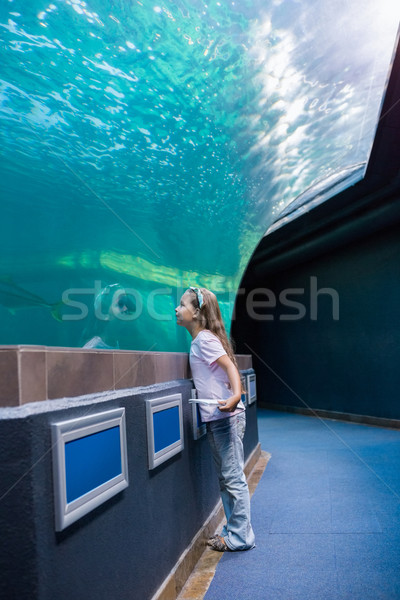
(326, 515)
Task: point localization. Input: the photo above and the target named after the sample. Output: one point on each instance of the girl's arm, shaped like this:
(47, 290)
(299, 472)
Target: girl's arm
(227, 365)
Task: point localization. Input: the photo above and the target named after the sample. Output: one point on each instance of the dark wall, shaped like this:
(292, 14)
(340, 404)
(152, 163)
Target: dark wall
(125, 548)
(347, 365)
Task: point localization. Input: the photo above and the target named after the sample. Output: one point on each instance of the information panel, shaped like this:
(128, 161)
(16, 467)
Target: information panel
(251, 388)
(89, 463)
(164, 428)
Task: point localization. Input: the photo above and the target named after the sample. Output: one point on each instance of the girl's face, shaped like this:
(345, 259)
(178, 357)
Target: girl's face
(185, 311)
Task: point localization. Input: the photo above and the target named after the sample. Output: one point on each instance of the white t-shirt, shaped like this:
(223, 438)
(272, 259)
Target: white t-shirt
(210, 380)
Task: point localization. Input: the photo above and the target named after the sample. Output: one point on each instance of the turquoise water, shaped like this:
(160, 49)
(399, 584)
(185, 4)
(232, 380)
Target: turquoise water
(151, 145)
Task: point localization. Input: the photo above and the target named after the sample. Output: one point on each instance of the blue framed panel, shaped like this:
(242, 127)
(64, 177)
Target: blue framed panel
(164, 428)
(243, 380)
(90, 463)
(251, 388)
(199, 428)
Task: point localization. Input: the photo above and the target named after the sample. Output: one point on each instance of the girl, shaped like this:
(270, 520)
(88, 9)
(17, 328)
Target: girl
(215, 375)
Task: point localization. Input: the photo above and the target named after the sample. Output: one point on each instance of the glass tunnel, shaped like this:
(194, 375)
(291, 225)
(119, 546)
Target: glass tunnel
(149, 146)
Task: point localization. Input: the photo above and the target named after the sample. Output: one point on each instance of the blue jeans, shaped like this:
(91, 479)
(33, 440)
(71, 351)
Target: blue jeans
(226, 440)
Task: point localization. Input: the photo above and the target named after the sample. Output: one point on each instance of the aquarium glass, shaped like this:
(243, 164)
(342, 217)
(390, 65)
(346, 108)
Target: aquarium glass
(147, 146)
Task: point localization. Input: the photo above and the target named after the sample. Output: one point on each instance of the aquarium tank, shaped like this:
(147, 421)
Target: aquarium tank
(148, 146)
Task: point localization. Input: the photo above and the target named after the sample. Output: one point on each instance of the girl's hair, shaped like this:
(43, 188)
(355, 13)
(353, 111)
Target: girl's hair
(210, 318)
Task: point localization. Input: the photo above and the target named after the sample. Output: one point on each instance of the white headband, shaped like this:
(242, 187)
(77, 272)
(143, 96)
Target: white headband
(198, 294)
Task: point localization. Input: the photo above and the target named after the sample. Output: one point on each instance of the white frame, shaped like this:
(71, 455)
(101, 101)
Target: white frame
(154, 405)
(251, 399)
(63, 432)
(198, 432)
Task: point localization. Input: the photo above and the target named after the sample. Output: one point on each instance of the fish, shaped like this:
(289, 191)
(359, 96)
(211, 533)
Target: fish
(14, 297)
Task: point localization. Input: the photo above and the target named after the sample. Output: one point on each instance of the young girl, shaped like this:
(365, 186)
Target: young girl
(215, 375)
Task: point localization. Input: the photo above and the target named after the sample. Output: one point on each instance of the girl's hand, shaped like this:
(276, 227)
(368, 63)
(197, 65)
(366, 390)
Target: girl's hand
(229, 405)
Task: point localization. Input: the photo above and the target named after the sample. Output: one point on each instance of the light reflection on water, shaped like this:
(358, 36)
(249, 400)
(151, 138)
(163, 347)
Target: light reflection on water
(169, 137)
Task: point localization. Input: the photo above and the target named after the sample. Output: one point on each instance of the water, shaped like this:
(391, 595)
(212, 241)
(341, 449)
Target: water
(151, 144)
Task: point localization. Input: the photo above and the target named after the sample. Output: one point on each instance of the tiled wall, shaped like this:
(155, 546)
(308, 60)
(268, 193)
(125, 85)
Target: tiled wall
(35, 373)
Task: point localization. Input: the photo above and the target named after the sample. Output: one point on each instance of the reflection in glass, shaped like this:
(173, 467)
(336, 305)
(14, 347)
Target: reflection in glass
(113, 306)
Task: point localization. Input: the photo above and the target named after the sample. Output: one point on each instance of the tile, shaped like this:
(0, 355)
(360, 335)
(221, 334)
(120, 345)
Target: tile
(304, 489)
(365, 484)
(244, 361)
(379, 552)
(148, 368)
(353, 513)
(388, 513)
(127, 370)
(187, 374)
(182, 362)
(75, 373)
(133, 369)
(280, 567)
(368, 566)
(170, 366)
(303, 517)
(33, 376)
(164, 367)
(9, 389)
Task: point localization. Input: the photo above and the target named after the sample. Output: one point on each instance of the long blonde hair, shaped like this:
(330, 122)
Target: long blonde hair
(210, 318)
